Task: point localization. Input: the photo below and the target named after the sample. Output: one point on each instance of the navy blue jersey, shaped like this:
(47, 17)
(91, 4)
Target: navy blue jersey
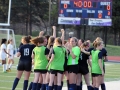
(104, 52)
(26, 52)
(83, 59)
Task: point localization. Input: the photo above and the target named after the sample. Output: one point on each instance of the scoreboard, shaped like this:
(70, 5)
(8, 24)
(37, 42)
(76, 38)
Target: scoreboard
(90, 12)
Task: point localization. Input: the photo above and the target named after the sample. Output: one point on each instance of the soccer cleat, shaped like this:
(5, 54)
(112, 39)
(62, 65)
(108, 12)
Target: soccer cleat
(9, 70)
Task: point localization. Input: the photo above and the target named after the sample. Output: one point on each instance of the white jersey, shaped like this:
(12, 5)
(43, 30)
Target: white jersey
(10, 50)
(3, 55)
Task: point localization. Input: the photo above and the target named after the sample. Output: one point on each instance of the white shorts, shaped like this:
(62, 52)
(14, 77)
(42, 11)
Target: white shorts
(3, 57)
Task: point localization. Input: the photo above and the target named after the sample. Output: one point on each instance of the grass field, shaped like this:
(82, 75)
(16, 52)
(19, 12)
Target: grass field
(6, 79)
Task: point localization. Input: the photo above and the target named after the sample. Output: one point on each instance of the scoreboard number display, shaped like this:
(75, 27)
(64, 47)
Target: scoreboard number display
(96, 12)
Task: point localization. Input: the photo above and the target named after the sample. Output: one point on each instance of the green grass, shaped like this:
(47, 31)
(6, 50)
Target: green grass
(6, 79)
(113, 50)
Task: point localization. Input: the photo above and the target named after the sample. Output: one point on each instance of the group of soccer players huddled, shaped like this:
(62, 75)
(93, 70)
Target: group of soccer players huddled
(55, 61)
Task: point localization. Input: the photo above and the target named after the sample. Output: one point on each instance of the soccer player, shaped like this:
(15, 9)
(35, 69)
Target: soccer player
(10, 50)
(83, 67)
(3, 53)
(25, 62)
(73, 58)
(56, 64)
(40, 54)
(97, 66)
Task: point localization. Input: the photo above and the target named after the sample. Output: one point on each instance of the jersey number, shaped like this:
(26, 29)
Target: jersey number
(26, 52)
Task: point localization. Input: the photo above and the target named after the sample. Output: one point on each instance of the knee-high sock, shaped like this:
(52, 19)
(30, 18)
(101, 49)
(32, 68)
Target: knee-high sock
(38, 86)
(34, 85)
(25, 85)
(15, 83)
(30, 86)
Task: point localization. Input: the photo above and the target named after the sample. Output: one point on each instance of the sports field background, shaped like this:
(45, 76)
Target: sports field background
(6, 79)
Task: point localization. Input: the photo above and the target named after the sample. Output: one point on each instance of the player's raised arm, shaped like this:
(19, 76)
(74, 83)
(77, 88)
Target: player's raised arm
(54, 31)
(63, 36)
(41, 33)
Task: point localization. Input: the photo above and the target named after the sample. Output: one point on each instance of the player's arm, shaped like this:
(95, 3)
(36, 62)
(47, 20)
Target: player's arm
(100, 62)
(51, 59)
(33, 55)
(54, 31)
(63, 36)
(6, 52)
(41, 33)
(89, 61)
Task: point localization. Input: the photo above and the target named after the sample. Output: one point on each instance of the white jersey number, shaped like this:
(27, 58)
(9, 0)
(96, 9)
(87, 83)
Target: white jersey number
(26, 51)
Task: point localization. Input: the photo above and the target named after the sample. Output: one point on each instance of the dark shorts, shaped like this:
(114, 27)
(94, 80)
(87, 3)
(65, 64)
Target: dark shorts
(52, 71)
(24, 66)
(96, 75)
(83, 70)
(40, 71)
(73, 69)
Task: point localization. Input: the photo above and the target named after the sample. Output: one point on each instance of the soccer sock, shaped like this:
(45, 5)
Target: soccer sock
(89, 87)
(7, 66)
(68, 84)
(10, 65)
(59, 87)
(55, 87)
(4, 67)
(75, 87)
(25, 85)
(50, 88)
(81, 84)
(38, 86)
(34, 85)
(43, 87)
(47, 86)
(15, 83)
(30, 86)
(96, 88)
(71, 86)
(62, 83)
(103, 87)
(78, 87)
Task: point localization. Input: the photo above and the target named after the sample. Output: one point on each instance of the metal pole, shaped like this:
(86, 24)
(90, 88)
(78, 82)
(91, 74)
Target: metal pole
(105, 35)
(49, 13)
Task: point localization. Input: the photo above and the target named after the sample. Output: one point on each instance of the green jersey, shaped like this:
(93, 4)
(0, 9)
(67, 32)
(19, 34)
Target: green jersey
(40, 59)
(59, 58)
(95, 61)
(76, 52)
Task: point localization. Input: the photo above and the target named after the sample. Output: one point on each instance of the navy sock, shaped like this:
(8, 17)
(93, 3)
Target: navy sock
(78, 87)
(59, 87)
(15, 83)
(103, 87)
(38, 86)
(81, 84)
(30, 86)
(71, 87)
(68, 84)
(89, 87)
(50, 88)
(62, 83)
(34, 85)
(75, 87)
(25, 85)
(96, 88)
(47, 86)
(55, 87)
(92, 88)
(43, 87)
